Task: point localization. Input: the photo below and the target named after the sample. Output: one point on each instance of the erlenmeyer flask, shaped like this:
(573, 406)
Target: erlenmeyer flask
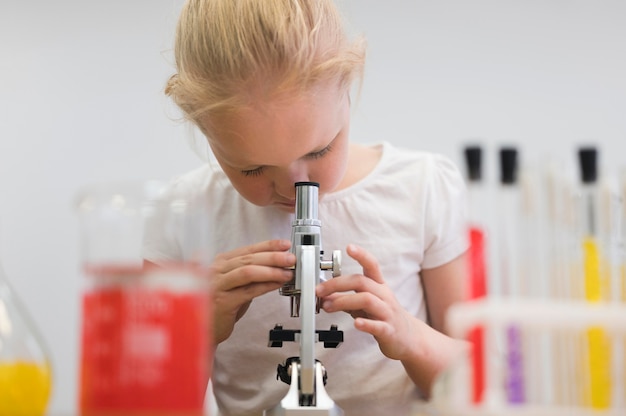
(25, 369)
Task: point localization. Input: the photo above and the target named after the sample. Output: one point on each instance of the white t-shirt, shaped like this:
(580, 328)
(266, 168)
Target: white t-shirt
(409, 212)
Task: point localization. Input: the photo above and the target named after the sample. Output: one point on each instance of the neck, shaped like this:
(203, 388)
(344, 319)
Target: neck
(361, 162)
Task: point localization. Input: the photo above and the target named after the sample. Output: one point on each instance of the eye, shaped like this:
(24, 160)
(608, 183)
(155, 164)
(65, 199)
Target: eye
(253, 172)
(321, 153)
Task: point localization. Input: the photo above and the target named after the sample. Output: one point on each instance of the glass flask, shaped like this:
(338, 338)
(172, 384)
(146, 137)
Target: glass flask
(145, 332)
(25, 368)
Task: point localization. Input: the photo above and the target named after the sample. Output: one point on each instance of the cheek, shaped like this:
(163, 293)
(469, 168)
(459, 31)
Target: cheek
(255, 190)
(330, 174)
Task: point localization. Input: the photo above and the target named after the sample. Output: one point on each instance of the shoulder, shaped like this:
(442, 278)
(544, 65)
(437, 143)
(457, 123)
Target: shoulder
(207, 179)
(421, 171)
(419, 159)
(200, 177)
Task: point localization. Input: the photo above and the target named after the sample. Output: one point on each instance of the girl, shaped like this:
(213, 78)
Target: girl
(268, 82)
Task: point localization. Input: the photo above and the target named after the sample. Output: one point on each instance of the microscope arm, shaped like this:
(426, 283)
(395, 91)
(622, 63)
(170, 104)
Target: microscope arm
(307, 271)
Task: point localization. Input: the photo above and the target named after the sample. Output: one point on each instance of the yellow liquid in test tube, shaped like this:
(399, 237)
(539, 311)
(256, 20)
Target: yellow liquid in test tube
(599, 347)
(24, 388)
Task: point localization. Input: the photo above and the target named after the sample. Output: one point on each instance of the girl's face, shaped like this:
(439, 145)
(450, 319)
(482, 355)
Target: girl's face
(264, 150)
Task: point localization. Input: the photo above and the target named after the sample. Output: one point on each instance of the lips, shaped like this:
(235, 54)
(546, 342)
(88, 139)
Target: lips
(286, 204)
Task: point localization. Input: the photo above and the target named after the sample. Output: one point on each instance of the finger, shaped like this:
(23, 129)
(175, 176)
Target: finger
(253, 274)
(356, 283)
(367, 261)
(263, 246)
(280, 259)
(367, 303)
(379, 329)
(246, 293)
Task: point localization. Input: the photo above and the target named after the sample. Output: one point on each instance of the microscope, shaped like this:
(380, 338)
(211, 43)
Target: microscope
(305, 375)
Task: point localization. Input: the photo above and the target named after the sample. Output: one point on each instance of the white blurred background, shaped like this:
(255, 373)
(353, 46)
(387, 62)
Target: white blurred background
(81, 102)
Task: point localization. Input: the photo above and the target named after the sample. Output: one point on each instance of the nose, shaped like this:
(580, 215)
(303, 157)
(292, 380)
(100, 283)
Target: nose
(284, 180)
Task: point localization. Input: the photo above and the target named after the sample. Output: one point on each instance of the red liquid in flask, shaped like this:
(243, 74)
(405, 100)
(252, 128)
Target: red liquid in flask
(145, 343)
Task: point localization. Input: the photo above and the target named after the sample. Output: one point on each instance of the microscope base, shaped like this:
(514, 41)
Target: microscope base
(290, 404)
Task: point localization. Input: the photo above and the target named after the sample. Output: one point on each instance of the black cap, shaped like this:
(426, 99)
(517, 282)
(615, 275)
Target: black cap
(473, 157)
(508, 165)
(588, 160)
(307, 184)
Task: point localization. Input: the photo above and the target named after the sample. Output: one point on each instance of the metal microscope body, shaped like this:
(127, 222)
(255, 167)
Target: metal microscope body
(305, 375)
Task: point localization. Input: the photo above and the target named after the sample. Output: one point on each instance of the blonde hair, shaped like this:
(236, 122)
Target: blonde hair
(228, 50)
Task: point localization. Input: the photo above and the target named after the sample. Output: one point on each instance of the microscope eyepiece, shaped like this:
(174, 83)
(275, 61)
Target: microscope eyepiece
(306, 200)
(307, 184)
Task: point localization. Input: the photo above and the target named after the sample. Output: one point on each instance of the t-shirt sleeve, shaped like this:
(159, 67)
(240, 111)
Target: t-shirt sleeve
(177, 227)
(446, 213)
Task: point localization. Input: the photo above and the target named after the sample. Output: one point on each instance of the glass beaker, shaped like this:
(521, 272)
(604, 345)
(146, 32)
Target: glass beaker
(146, 328)
(25, 369)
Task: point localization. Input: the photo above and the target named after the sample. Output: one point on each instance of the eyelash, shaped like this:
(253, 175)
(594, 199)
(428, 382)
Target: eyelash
(321, 153)
(253, 172)
(258, 171)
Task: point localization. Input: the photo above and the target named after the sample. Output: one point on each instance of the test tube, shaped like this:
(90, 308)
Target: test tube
(598, 388)
(510, 267)
(477, 279)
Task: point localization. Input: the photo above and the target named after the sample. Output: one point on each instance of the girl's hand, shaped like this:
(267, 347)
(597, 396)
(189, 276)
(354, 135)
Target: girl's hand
(372, 304)
(242, 274)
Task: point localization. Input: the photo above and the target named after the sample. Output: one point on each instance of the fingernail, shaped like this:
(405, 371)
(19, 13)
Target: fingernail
(327, 305)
